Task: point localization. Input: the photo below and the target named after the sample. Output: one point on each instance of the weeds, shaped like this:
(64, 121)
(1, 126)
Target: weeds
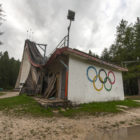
(99, 108)
(23, 105)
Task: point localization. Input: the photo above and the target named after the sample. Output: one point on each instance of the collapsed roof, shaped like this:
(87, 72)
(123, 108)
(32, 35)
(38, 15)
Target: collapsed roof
(35, 57)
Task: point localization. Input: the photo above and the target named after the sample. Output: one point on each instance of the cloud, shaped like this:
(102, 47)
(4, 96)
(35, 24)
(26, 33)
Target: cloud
(94, 26)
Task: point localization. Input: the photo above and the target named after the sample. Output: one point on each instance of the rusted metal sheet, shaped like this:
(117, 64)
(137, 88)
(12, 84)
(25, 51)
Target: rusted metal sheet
(71, 51)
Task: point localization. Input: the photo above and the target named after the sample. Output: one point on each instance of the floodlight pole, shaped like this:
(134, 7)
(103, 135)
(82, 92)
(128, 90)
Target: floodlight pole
(68, 33)
(70, 16)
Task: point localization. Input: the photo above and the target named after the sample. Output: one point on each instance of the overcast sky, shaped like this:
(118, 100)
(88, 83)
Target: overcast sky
(94, 27)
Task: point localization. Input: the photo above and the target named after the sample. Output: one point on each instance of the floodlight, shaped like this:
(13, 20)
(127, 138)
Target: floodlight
(71, 15)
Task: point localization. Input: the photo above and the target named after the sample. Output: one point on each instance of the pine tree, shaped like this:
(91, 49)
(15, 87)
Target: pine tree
(126, 50)
(137, 51)
(105, 55)
(8, 71)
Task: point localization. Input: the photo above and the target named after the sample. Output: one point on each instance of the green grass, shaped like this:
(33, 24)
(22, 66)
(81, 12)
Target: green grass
(102, 107)
(25, 105)
(1, 93)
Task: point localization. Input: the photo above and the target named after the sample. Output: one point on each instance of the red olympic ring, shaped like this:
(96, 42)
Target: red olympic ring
(113, 76)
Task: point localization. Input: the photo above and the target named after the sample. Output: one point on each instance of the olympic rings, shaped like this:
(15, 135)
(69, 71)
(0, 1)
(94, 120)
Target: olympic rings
(113, 76)
(103, 81)
(110, 84)
(95, 86)
(91, 67)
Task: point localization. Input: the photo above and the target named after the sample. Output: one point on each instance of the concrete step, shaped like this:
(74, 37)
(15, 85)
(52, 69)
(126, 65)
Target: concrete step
(53, 102)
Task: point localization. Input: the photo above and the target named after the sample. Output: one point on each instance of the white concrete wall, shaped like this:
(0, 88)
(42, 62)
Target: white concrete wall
(81, 90)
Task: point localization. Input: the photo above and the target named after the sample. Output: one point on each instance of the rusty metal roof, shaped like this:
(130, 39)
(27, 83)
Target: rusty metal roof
(70, 51)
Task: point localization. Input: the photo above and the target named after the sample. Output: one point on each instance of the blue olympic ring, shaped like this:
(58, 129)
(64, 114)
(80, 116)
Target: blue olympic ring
(91, 67)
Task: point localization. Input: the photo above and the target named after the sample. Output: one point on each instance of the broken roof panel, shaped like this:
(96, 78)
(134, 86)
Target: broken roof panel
(35, 57)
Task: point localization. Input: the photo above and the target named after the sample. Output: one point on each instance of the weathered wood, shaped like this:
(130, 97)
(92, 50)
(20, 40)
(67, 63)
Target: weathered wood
(50, 86)
(39, 83)
(52, 92)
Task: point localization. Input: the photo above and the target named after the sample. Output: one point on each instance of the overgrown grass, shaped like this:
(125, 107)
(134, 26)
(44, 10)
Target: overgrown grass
(25, 105)
(1, 93)
(104, 107)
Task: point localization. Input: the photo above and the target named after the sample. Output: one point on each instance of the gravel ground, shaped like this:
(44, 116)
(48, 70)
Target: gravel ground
(9, 94)
(62, 128)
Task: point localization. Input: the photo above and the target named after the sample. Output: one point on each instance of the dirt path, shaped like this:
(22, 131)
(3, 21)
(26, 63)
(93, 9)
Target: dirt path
(61, 128)
(9, 94)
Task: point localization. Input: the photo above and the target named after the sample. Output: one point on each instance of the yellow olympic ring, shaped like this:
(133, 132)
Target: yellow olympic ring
(94, 84)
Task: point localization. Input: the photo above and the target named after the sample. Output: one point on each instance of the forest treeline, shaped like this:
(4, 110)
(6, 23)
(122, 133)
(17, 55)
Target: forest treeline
(125, 51)
(9, 68)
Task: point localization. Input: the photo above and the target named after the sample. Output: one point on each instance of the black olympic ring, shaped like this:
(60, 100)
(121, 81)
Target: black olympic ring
(105, 79)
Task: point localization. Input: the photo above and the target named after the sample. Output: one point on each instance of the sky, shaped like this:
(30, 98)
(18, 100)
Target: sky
(94, 27)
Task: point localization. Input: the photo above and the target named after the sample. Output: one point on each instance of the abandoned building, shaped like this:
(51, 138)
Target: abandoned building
(69, 74)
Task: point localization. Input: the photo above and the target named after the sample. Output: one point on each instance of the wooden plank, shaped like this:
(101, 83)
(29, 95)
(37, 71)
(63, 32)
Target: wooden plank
(52, 87)
(50, 80)
(57, 84)
(52, 92)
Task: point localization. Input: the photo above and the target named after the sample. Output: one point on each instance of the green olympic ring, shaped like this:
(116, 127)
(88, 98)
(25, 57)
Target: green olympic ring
(108, 89)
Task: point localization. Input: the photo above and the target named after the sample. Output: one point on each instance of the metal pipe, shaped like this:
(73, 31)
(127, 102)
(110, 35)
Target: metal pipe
(63, 63)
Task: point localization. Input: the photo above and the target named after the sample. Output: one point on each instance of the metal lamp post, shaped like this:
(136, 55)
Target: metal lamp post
(70, 16)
